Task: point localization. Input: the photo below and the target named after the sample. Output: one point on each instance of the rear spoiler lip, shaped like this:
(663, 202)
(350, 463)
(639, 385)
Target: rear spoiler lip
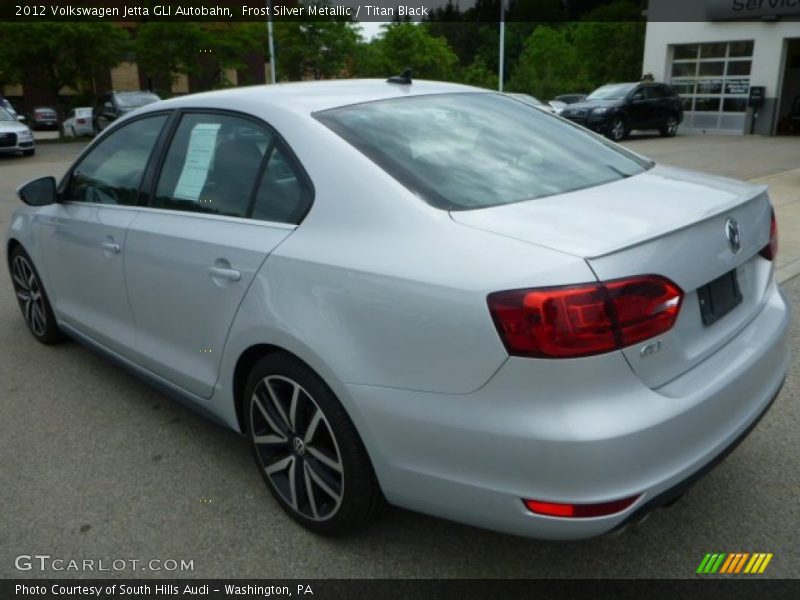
(669, 229)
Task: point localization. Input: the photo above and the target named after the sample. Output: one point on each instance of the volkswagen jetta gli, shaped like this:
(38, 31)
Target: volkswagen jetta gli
(420, 293)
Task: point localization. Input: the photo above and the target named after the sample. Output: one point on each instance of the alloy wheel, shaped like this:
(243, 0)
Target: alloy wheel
(296, 448)
(29, 294)
(617, 129)
(672, 126)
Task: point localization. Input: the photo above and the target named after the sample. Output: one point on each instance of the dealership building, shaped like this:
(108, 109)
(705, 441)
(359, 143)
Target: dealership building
(721, 50)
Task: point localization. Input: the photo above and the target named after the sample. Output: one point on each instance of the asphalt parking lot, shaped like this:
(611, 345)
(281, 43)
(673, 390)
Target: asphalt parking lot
(96, 465)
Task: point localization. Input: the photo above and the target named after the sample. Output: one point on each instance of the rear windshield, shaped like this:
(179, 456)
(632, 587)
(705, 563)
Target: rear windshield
(136, 99)
(474, 150)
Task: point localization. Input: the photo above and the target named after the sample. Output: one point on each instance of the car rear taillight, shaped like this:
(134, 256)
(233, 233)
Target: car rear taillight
(81, 121)
(578, 511)
(770, 251)
(587, 319)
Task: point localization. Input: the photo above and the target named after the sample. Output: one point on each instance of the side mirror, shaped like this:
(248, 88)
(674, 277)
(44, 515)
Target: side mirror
(637, 97)
(21, 118)
(39, 192)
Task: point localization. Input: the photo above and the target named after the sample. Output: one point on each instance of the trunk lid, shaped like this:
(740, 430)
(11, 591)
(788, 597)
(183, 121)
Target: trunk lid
(667, 222)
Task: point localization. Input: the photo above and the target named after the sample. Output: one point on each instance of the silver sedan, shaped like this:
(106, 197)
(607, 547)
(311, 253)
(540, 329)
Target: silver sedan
(418, 293)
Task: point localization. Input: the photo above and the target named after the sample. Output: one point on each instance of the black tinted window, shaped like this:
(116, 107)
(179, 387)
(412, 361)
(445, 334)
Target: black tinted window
(282, 195)
(462, 151)
(113, 169)
(212, 165)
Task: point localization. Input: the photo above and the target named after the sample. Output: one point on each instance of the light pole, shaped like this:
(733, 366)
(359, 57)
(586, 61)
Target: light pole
(502, 44)
(271, 42)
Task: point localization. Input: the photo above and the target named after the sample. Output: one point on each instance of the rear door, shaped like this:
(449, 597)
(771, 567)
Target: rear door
(228, 193)
(83, 236)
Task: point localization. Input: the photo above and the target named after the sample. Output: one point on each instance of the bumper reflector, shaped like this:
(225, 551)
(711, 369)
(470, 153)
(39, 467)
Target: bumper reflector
(578, 511)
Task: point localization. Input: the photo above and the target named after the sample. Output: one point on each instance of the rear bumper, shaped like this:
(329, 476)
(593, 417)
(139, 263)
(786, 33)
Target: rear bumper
(577, 431)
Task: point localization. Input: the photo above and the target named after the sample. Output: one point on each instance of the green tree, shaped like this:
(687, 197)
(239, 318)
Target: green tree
(610, 43)
(166, 48)
(549, 65)
(318, 49)
(479, 74)
(403, 45)
(56, 55)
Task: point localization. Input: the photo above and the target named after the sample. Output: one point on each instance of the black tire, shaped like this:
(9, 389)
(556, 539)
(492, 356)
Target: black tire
(32, 298)
(670, 128)
(617, 129)
(324, 447)
(30, 152)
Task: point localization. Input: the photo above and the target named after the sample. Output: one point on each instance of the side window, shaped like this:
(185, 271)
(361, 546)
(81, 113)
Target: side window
(282, 195)
(665, 91)
(649, 92)
(112, 171)
(212, 165)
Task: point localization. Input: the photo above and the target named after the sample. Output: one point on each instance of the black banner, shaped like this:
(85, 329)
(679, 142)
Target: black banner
(383, 589)
(385, 10)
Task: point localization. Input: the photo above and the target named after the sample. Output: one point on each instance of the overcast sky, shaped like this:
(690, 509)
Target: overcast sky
(370, 29)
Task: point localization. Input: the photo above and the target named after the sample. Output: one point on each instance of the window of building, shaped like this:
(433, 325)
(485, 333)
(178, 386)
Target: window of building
(713, 78)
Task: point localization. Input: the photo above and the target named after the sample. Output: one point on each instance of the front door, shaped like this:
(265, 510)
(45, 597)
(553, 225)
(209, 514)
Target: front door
(84, 235)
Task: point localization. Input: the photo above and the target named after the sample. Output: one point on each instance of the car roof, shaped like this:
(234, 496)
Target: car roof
(312, 96)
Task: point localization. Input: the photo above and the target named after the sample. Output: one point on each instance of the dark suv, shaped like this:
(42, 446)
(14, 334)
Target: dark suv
(617, 109)
(113, 105)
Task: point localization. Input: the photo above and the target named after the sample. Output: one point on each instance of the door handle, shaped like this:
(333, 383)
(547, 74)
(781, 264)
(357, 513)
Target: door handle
(223, 273)
(111, 247)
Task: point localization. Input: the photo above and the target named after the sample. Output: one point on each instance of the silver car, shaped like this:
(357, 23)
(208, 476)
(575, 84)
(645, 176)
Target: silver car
(418, 293)
(15, 137)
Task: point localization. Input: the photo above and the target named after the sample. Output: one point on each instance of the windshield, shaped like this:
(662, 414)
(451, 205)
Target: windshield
(528, 99)
(474, 150)
(616, 91)
(5, 115)
(135, 100)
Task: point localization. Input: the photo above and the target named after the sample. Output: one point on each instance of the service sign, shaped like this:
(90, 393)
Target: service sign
(723, 10)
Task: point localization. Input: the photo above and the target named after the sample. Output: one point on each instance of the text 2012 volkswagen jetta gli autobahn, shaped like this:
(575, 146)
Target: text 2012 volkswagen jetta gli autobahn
(419, 292)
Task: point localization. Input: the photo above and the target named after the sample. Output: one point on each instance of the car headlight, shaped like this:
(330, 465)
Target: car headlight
(599, 111)
(25, 134)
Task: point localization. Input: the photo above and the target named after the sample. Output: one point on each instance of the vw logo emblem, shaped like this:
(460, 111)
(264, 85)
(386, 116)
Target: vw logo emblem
(733, 234)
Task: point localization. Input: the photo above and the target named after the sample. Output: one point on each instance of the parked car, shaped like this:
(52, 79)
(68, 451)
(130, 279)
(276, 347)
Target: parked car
(113, 105)
(557, 106)
(420, 292)
(44, 117)
(570, 98)
(535, 102)
(15, 136)
(79, 123)
(4, 103)
(618, 108)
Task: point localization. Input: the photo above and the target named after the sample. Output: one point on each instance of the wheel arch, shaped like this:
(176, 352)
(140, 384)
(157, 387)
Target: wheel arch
(12, 244)
(245, 363)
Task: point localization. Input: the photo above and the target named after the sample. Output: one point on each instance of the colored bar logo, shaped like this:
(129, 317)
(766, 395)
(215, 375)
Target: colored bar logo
(734, 563)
